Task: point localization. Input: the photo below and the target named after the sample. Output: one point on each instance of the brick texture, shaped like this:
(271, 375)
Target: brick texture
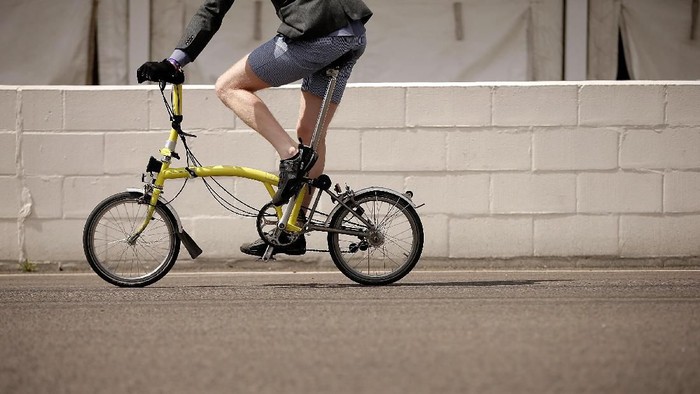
(8, 148)
(613, 105)
(575, 150)
(448, 106)
(535, 105)
(504, 170)
(8, 109)
(489, 150)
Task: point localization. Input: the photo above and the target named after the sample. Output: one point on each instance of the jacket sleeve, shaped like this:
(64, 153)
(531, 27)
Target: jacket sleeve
(202, 27)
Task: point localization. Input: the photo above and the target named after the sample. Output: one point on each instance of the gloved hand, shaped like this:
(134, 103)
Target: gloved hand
(162, 71)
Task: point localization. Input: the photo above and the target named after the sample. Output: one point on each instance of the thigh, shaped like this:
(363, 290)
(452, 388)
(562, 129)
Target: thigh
(241, 76)
(281, 60)
(317, 83)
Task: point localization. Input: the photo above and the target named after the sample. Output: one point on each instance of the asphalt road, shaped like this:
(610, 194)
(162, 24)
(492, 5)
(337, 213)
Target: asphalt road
(433, 332)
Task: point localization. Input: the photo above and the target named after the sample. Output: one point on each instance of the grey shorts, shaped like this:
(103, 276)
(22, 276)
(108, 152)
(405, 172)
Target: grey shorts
(282, 60)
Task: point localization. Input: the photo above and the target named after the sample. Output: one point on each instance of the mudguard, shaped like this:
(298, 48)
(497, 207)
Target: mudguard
(404, 196)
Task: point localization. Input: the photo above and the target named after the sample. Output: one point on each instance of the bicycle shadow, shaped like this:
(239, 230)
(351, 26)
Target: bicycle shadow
(484, 283)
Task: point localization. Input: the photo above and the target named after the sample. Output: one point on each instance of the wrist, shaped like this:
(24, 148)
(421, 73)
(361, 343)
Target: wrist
(175, 64)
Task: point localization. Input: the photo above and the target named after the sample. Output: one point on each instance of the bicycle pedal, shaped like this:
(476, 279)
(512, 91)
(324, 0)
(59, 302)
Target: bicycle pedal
(269, 253)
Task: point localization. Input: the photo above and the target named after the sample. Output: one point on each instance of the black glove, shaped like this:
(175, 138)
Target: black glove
(163, 71)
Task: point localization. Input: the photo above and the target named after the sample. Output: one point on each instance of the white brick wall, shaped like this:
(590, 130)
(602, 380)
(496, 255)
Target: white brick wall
(533, 170)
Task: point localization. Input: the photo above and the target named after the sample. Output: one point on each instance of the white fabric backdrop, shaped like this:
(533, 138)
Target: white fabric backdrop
(409, 40)
(656, 36)
(113, 42)
(48, 41)
(44, 42)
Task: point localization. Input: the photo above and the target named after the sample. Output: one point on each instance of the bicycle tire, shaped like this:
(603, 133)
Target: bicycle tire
(396, 246)
(145, 261)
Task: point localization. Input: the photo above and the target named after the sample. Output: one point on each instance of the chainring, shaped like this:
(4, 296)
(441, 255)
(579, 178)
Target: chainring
(267, 226)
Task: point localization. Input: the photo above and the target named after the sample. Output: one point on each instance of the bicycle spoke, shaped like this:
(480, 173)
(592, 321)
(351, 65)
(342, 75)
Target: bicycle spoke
(114, 257)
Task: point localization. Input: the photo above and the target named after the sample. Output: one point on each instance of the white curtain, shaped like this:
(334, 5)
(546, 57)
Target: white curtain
(113, 42)
(53, 42)
(45, 42)
(656, 36)
(409, 40)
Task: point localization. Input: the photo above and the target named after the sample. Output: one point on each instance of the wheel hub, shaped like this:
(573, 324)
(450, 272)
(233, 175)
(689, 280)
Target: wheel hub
(375, 238)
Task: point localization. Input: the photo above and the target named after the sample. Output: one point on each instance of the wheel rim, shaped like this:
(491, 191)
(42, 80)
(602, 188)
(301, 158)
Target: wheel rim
(389, 249)
(133, 261)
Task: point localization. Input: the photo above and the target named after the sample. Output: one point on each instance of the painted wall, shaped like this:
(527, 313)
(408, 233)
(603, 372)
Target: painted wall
(507, 170)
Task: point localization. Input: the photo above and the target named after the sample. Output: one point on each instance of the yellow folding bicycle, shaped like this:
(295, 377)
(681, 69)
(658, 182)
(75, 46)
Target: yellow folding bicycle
(132, 239)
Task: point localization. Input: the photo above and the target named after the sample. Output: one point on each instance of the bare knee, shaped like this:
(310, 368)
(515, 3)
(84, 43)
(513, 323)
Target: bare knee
(238, 78)
(223, 87)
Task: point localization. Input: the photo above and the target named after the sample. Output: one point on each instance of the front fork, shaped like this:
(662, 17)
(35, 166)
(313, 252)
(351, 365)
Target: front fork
(153, 187)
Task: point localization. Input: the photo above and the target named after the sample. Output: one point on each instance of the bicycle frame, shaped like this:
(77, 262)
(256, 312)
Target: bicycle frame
(165, 172)
(287, 219)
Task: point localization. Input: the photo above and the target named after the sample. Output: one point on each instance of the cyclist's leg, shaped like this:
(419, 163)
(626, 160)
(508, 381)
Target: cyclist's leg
(310, 108)
(236, 88)
(313, 89)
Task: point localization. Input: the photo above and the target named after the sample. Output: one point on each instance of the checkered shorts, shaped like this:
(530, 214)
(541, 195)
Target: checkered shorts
(282, 60)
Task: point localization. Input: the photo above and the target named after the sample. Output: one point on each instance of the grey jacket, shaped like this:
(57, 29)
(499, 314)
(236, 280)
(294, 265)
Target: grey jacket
(301, 19)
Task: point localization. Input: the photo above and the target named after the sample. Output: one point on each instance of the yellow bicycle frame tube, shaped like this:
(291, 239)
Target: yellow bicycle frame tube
(267, 179)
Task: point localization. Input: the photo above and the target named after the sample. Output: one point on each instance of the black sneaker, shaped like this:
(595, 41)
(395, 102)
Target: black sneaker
(257, 248)
(291, 172)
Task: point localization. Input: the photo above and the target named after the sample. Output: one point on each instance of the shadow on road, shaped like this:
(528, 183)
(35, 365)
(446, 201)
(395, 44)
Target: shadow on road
(486, 283)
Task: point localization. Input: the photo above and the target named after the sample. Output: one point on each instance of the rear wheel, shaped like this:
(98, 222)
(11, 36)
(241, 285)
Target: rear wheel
(388, 249)
(127, 262)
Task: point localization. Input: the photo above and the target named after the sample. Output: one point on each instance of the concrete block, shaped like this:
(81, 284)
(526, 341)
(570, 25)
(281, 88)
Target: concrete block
(369, 107)
(579, 149)
(576, 236)
(682, 105)
(47, 196)
(619, 192)
(485, 237)
(54, 240)
(655, 236)
(8, 150)
(9, 243)
(118, 108)
(533, 193)
(65, 153)
(404, 150)
(237, 148)
(8, 109)
(252, 193)
(343, 150)
(82, 193)
(284, 104)
(222, 237)
(668, 149)
(452, 194)
(448, 106)
(489, 150)
(42, 109)
(195, 201)
(10, 192)
(128, 152)
(364, 180)
(682, 192)
(621, 104)
(201, 110)
(435, 228)
(535, 105)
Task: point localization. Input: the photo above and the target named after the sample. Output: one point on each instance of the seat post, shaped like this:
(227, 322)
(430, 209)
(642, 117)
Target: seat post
(333, 74)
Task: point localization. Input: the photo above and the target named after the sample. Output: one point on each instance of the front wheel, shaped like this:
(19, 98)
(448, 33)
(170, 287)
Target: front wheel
(388, 249)
(121, 260)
